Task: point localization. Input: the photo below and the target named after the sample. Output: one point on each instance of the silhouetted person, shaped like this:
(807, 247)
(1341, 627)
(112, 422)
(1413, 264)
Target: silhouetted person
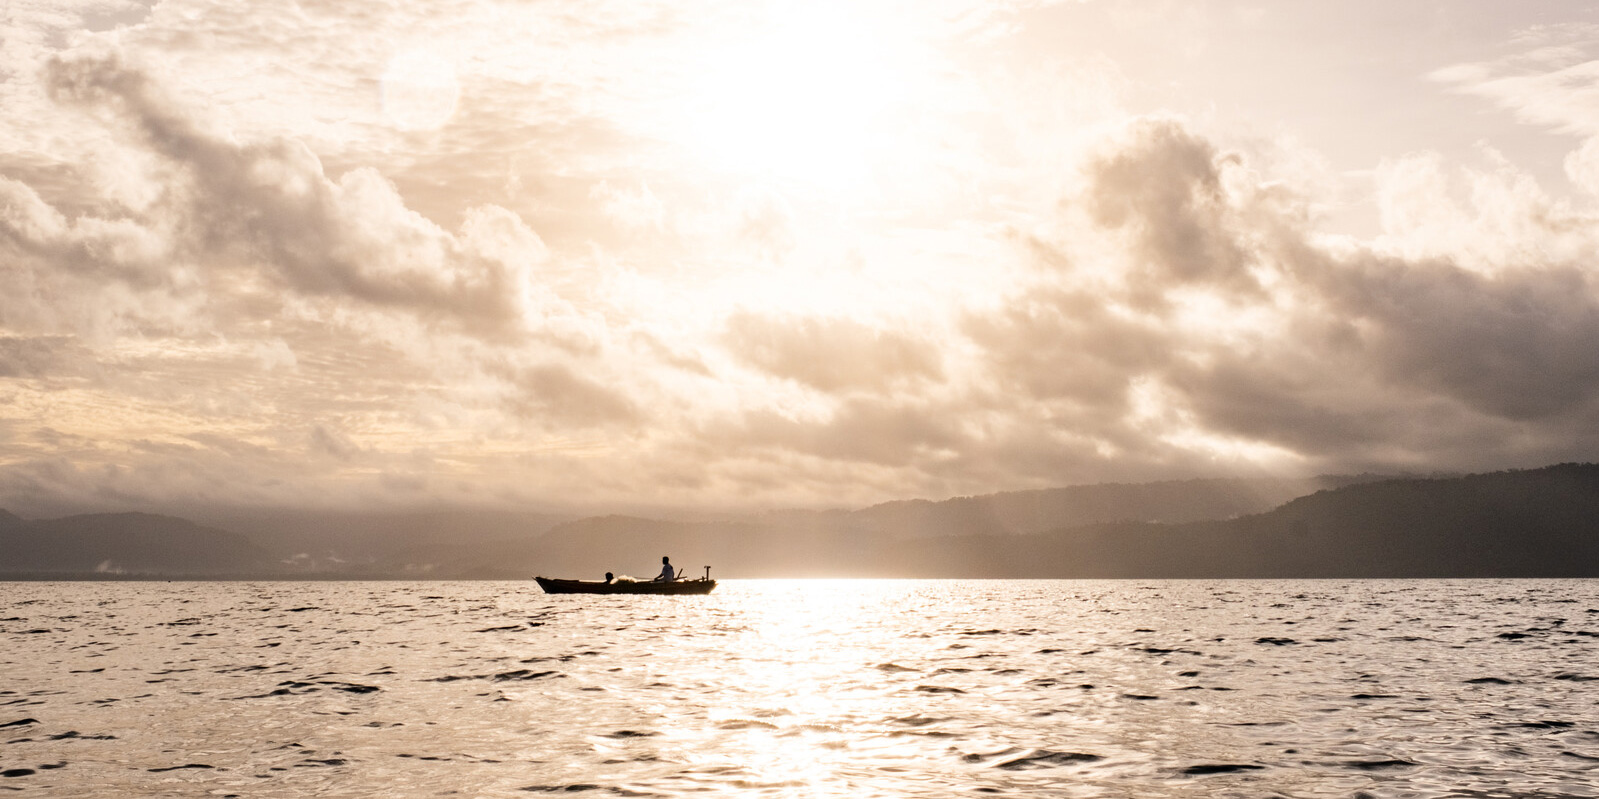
(609, 577)
(667, 572)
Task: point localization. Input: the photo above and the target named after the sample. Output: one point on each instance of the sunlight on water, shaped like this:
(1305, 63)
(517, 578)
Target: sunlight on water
(802, 688)
(802, 635)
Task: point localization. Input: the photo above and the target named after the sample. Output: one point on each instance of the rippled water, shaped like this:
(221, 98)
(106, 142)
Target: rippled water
(805, 688)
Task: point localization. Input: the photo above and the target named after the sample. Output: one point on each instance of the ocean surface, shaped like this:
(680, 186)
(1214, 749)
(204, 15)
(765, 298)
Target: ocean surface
(1317, 688)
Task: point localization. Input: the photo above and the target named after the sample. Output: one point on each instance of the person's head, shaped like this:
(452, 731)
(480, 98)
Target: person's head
(665, 559)
(609, 577)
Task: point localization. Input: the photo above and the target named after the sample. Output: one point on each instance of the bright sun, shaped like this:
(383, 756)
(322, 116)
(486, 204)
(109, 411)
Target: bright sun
(812, 95)
(419, 90)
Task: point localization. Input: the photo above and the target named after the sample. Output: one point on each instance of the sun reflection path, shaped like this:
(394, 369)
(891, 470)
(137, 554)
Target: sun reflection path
(822, 688)
(810, 681)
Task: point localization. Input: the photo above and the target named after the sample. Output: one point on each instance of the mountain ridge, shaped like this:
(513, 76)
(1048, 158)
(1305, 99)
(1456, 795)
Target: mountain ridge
(1535, 522)
(130, 542)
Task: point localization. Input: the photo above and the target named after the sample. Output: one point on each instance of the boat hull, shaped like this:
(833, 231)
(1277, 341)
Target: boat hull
(554, 586)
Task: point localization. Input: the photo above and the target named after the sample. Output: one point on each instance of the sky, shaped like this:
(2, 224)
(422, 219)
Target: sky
(752, 254)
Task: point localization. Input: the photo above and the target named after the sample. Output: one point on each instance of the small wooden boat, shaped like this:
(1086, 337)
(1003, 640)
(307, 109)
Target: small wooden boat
(554, 586)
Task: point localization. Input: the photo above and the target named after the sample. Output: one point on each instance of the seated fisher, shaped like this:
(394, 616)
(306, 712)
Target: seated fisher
(668, 573)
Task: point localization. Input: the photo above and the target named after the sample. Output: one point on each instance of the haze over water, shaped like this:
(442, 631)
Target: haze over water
(803, 688)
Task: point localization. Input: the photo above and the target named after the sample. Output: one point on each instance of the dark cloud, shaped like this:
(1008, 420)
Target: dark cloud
(269, 205)
(38, 240)
(330, 441)
(1066, 344)
(42, 356)
(1162, 186)
(687, 362)
(558, 397)
(267, 323)
(1357, 357)
(1516, 345)
(859, 430)
(831, 354)
(64, 187)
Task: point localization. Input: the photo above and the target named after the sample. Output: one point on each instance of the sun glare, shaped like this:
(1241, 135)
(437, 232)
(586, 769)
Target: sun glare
(419, 91)
(810, 96)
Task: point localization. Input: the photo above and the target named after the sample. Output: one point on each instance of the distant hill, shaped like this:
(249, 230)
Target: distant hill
(464, 543)
(877, 540)
(1533, 523)
(1170, 501)
(380, 542)
(629, 545)
(124, 543)
(1541, 522)
(1538, 522)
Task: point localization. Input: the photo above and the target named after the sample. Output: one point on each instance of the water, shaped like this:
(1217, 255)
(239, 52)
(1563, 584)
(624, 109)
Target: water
(805, 688)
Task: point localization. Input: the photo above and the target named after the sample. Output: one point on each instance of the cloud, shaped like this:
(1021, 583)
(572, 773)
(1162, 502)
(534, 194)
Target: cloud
(1162, 186)
(42, 238)
(1236, 327)
(268, 206)
(1582, 166)
(1552, 81)
(831, 354)
(766, 221)
(326, 440)
(224, 284)
(860, 430)
(1550, 85)
(1515, 346)
(558, 397)
(42, 356)
(633, 209)
(687, 362)
(1059, 343)
(229, 297)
